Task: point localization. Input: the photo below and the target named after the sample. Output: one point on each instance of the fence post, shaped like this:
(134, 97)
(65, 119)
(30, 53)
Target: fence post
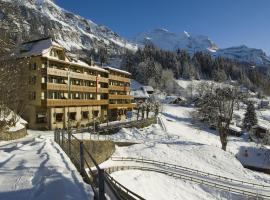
(62, 138)
(81, 158)
(59, 137)
(69, 142)
(54, 136)
(101, 189)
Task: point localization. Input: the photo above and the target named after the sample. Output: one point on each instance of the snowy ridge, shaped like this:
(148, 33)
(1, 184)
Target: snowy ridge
(170, 41)
(192, 43)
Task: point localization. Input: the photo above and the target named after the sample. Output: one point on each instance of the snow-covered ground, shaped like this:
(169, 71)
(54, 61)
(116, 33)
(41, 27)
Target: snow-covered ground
(36, 168)
(187, 143)
(156, 186)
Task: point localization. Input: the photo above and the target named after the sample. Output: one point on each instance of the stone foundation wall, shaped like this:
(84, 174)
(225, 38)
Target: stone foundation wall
(13, 135)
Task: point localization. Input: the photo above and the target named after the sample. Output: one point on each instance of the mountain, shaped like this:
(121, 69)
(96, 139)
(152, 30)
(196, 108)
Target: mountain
(166, 40)
(22, 20)
(245, 54)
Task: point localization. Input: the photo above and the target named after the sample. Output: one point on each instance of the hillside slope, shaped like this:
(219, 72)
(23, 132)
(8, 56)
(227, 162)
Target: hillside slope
(22, 20)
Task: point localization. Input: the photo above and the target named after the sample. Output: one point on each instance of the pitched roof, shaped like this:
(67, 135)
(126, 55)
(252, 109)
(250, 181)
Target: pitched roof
(36, 47)
(117, 70)
(148, 88)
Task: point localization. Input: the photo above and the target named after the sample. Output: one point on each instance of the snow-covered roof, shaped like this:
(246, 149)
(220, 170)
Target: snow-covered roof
(139, 94)
(42, 46)
(235, 128)
(117, 70)
(262, 126)
(83, 64)
(36, 47)
(148, 88)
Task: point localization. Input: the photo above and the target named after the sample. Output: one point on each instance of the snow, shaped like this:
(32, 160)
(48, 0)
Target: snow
(37, 168)
(161, 187)
(116, 70)
(170, 41)
(20, 124)
(190, 144)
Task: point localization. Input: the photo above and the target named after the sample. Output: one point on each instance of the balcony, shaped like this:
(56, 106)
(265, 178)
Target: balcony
(118, 88)
(116, 96)
(72, 102)
(73, 88)
(76, 75)
(121, 106)
(119, 78)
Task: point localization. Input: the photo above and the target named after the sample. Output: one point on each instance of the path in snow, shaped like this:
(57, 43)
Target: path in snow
(37, 168)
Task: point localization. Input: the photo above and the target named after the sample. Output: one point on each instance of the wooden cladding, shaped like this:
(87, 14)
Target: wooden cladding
(75, 75)
(72, 102)
(116, 96)
(73, 88)
(118, 88)
(119, 78)
(121, 106)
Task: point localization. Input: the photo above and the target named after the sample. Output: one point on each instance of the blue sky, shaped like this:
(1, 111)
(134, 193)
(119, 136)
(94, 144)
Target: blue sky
(226, 22)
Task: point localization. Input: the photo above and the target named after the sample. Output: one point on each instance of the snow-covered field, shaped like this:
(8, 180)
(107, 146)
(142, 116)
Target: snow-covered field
(152, 185)
(189, 144)
(36, 168)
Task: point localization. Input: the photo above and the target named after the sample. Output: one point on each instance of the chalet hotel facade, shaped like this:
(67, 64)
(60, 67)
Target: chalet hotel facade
(65, 92)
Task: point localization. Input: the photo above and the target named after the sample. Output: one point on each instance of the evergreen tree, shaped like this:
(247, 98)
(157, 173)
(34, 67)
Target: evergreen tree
(250, 118)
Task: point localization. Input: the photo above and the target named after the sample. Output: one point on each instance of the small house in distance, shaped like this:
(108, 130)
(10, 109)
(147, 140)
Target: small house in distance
(260, 130)
(148, 89)
(141, 92)
(235, 130)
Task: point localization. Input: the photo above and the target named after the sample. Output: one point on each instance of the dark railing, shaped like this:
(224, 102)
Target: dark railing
(186, 169)
(112, 128)
(206, 182)
(100, 181)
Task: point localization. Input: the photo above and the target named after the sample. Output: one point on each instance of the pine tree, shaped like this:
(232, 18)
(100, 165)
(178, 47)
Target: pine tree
(250, 118)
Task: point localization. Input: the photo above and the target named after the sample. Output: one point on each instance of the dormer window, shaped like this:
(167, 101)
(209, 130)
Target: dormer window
(57, 54)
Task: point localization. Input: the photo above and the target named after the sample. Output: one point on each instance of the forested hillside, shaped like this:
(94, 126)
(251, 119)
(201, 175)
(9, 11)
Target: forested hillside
(154, 66)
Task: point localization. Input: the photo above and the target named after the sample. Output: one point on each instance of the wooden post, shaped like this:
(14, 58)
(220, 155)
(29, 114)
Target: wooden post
(81, 158)
(63, 138)
(55, 136)
(101, 188)
(69, 142)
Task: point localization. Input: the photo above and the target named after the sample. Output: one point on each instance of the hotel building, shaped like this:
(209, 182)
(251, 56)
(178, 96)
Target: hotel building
(65, 92)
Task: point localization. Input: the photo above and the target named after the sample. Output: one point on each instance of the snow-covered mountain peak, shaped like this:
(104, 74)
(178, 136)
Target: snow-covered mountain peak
(167, 40)
(40, 18)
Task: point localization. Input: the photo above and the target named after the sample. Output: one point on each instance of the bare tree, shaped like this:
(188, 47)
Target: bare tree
(216, 107)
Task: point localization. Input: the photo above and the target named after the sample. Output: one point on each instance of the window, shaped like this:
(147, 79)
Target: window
(85, 114)
(32, 66)
(41, 118)
(72, 116)
(32, 80)
(43, 95)
(59, 117)
(95, 113)
(32, 95)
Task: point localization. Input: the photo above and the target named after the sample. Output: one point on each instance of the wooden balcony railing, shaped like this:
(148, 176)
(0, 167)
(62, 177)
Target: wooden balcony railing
(72, 102)
(119, 78)
(118, 88)
(121, 106)
(76, 75)
(116, 96)
(73, 88)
